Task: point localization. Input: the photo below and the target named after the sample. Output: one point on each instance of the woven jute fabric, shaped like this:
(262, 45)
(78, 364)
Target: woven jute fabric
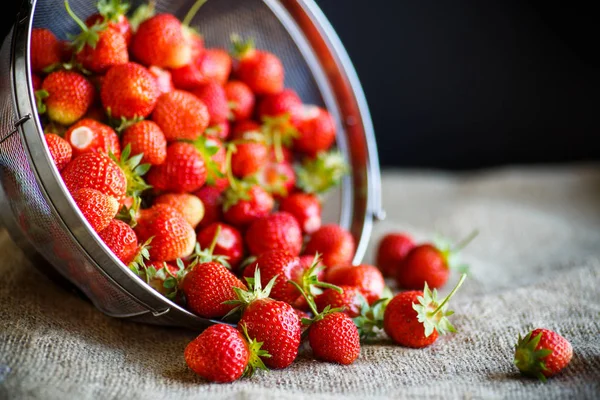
(536, 263)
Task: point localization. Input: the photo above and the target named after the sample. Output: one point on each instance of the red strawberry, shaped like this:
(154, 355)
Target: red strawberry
(306, 208)
(243, 206)
(430, 264)
(211, 198)
(222, 354)
(316, 131)
(59, 150)
(391, 251)
(220, 131)
(278, 231)
(98, 208)
(334, 338)
(262, 71)
(181, 115)
(416, 318)
(215, 65)
(281, 266)
(240, 100)
(89, 135)
(278, 178)
(146, 137)
(188, 205)
(173, 237)
(228, 243)
(335, 244)
(161, 41)
(96, 171)
(184, 169)
(121, 239)
(46, 50)
(365, 277)
(248, 158)
(285, 102)
(129, 91)
(240, 129)
(213, 95)
(207, 286)
(542, 353)
(163, 77)
(67, 96)
(112, 12)
(349, 300)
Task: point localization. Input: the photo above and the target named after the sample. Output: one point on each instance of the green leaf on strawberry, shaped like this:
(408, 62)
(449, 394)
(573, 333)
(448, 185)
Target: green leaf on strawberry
(370, 320)
(89, 35)
(112, 10)
(133, 171)
(142, 13)
(322, 173)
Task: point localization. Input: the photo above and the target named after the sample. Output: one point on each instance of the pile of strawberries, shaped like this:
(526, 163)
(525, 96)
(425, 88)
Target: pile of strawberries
(205, 176)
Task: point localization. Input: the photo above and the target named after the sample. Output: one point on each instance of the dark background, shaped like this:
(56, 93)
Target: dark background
(470, 83)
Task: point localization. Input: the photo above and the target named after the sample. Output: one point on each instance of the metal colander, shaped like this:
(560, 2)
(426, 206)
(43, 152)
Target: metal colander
(37, 209)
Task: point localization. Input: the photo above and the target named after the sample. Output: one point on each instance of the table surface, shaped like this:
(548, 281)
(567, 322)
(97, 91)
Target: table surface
(535, 264)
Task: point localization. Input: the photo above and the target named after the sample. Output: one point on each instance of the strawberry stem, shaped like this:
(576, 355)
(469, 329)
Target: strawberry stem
(77, 20)
(447, 298)
(231, 148)
(211, 249)
(311, 303)
(192, 12)
(465, 241)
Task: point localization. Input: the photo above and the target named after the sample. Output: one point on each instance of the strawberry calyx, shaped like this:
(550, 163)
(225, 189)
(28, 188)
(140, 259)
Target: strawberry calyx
(40, 96)
(324, 172)
(241, 48)
(279, 132)
(529, 360)
(255, 292)
(129, 214)
(138, 264)
(112, 10)
(311, 284)
(450, 252)
(207, 148)
(89, 35)
(141, 14)
(432, 313)
(310, 300)
(72, 65)
(201, 256)
(370, 320)
(256, 353)
(120, 125)
(133, 171)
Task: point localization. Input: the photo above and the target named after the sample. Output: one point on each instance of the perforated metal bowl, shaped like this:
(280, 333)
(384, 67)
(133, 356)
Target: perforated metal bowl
(42, 218)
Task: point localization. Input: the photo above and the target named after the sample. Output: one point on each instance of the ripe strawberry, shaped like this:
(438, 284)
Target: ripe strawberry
(181, 115)
(316, 131)
(184, 169)
(335, 244)
(542, 353)
(215, 65)
(278, 231)
(285, 102)
(213, 96)
(262, 71)
(278, 178)
(365, 277)
(335, 338)
(430, 264)
(416, 318)
(306, 208)
(146, 137)
(391, 251)
(222, 354)
(113, 13)
(188, 205)
(349, 300)
(67, 96)
(98, 208)
(129, 91)
(242, 206)
(97, 48)
(228, 242)
(248, 158)
(213, 208)
(240, 100)
(161, 41)
(173, 237)
(46, 50)
(207, 286)
(60, 150)
(96, 171)
(89, 135)
(164, 80)
(121, 239)
(281, 266)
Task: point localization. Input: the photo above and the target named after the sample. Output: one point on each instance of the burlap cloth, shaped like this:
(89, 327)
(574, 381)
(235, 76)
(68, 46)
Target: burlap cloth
(535, 264)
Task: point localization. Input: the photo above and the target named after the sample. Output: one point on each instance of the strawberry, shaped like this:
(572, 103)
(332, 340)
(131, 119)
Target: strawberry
(163, 77)
(213, 96)
(335, 244)
(320, 174)
(416, 318)
(286, 102)
(188, 205)
(278, 231)
(306, 208)
(262, 71)
(181, 115)
(222, 354)
(248, 157)
(240, 100)
(215, 65)
(160, 40)
(542, 353)
(211, 198)
(240, 129)
(281, 266)
(67, 96)
(173, 237)
(129, 91)
(220, 131)
(228, 242)
(97, 48)
(243, 205)
(391, 251)
(207, 286)
(89, 135)
(36, 82)
(46, 50)
(162, 277)
(431, 264)
(146, 137)
(349, 300)
(365, 277)
(98, 208)
(184, 169)
(60, 150)
(316, 131)
(278, 178)
(96, 171)
(121, 239)
(112, 12)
